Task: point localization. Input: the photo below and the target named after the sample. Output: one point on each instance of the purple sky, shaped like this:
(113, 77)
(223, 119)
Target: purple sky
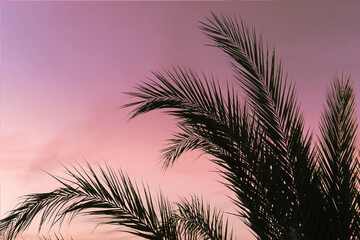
(65, 66)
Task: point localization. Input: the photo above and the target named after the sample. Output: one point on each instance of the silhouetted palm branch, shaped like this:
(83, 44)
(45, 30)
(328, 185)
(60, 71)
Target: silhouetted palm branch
(198, 219)
(55, 237)
(266, 156)
(108, 194)
(117, 201)
(273, 100)
(213, 122)
(339, 160)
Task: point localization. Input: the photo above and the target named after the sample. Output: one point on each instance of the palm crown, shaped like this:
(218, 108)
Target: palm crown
(286, 185)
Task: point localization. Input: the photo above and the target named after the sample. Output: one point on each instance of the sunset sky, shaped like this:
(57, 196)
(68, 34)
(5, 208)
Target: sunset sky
(66, 65)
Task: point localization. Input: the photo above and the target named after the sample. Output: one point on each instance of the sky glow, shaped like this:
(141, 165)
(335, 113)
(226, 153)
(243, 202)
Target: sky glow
(66, 65)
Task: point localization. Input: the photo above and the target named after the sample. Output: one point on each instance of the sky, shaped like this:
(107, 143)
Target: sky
(66, 65)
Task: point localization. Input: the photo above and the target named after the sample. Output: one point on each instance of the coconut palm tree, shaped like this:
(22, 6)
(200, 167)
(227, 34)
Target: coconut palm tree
(286, 184)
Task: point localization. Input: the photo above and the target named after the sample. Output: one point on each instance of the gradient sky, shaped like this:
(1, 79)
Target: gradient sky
(65, 66)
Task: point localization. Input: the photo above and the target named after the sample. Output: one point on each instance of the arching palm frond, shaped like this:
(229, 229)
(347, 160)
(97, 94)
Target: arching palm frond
(198, 105)
(109, 194)
(274, 102)
(264, 153)
(202, 221)
(340, 160)
(218, 125)
(113, 197)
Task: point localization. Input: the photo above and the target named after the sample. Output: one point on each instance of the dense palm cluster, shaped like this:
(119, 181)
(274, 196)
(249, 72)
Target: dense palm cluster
(286, 184)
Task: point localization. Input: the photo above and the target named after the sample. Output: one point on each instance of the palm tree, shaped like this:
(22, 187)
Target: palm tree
(286, 184)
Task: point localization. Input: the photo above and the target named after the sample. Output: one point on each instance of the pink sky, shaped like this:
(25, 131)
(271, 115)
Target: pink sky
(65, 66)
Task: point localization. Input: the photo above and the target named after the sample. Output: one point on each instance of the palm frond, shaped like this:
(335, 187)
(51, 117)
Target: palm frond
(339, 159)
(265, 154)
(218, 125)
(182, 142)
(111, 195)
(273, 100)
(55, 237)
(201, 221)
(197, 104)
(261, 75)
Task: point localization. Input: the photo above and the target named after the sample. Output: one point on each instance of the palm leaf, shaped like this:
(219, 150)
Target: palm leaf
(56, 237)
(111, 195)
(217, 126)
(210, 123)
(199, 219)
(339, 159)
(265, 153)
(199, 105)
(273, 100)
